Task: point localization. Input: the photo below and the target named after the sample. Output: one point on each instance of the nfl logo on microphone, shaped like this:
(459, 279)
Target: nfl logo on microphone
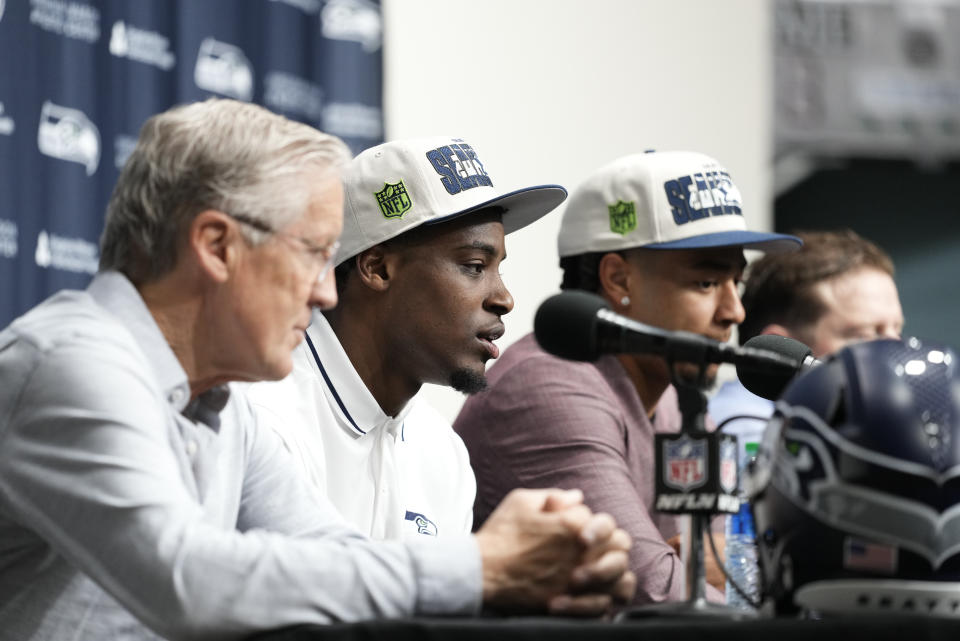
(696, 473)
(686, 462)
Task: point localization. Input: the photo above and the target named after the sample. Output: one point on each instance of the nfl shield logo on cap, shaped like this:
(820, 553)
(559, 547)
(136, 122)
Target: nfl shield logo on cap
(623, 217)
(393, 200)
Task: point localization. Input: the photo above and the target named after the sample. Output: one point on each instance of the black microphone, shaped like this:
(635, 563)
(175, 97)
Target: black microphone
(770, 384)
(579, 326)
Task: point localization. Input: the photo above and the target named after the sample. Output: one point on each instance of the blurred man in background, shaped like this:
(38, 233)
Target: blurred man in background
(838, 289)
(660, 236)
(138, 496)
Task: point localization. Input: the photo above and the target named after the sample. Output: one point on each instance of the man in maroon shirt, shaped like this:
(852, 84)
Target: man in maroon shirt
(660, 236)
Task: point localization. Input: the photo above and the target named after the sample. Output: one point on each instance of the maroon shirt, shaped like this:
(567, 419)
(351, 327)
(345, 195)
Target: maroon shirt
(548, 422)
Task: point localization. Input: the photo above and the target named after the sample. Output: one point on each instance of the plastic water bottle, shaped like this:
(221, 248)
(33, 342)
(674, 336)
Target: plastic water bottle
(741, 552)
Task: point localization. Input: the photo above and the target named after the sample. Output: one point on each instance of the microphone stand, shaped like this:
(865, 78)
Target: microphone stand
(693, 408)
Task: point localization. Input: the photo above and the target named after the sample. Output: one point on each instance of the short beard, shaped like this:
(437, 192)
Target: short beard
(468, 381)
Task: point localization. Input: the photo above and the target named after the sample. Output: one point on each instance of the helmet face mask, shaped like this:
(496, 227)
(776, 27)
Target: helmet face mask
(858, 480)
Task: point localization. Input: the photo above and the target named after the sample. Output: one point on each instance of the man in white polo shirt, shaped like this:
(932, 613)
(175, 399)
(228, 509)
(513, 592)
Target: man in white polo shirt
(421, 301)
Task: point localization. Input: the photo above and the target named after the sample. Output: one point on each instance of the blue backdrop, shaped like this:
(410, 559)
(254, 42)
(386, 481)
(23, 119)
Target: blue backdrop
(79, 77)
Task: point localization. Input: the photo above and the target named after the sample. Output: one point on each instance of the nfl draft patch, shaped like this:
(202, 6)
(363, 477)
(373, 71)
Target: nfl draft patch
(393, 200)
(623, 217)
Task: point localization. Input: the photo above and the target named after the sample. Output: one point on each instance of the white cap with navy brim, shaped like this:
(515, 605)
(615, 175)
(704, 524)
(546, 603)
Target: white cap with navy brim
(660, 200)
(398, 186)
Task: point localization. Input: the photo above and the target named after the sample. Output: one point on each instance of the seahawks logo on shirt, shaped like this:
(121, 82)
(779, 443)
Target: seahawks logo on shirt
(424, 525)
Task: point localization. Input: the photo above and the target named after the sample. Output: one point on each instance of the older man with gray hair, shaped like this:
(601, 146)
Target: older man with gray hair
(137, 495)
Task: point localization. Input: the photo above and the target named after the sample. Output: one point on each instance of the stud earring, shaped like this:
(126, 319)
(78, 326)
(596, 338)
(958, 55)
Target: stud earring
(625, 301)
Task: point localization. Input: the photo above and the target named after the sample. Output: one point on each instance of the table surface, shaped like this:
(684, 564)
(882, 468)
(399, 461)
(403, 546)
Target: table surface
(865, 628)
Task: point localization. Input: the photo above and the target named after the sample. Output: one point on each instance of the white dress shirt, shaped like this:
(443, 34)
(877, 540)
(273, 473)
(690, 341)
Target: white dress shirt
(403, 477)
(126, 510)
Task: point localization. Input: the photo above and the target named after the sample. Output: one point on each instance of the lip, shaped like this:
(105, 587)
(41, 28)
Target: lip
(487, 338)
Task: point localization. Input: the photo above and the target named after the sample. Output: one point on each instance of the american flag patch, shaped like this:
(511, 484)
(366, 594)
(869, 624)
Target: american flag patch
(873, 557)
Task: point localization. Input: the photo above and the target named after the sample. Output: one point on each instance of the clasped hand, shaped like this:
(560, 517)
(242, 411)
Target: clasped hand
(544, 550)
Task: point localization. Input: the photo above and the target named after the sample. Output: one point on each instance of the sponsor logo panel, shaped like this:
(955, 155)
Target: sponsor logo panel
(66, 253)
(76, 20)
(141, 45)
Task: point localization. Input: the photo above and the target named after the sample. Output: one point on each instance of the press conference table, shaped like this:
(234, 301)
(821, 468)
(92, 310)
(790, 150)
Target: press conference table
(868, 628)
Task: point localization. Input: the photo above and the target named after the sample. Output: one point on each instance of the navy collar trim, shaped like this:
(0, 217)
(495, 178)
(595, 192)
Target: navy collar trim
(333, 390)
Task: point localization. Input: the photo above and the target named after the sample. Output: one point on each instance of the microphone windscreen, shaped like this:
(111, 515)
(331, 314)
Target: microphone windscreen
(762, 381)
(566, 325)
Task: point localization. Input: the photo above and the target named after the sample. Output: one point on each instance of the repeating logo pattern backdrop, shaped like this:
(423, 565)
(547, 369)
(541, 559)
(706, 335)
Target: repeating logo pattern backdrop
(79, 77)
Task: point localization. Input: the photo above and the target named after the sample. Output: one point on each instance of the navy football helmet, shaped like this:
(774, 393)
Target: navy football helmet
(856, 489)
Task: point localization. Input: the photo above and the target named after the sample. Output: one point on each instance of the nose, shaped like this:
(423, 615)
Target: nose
(323, 295)
(730, 309)
(499, 301)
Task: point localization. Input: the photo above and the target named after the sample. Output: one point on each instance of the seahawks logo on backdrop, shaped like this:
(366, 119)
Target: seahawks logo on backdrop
(623, 217)
(423, 524)
(68, 134)
(393, 199)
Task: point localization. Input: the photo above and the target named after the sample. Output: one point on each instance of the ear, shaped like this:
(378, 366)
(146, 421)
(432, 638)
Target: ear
(614, 276)
(210, 239)
(776, 330)
(374, 268)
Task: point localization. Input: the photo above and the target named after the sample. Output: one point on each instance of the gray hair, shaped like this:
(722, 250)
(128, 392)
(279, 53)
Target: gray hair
(231, 156)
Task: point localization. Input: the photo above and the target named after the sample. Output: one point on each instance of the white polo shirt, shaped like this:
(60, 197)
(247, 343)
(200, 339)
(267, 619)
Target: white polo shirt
(405, 477)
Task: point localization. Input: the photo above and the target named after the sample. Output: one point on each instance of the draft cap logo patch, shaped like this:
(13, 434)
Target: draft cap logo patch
(623, 217)
(393, 200)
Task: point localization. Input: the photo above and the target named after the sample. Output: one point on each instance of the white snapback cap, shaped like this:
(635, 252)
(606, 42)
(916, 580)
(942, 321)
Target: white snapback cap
(397, 186)
(660, 200)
